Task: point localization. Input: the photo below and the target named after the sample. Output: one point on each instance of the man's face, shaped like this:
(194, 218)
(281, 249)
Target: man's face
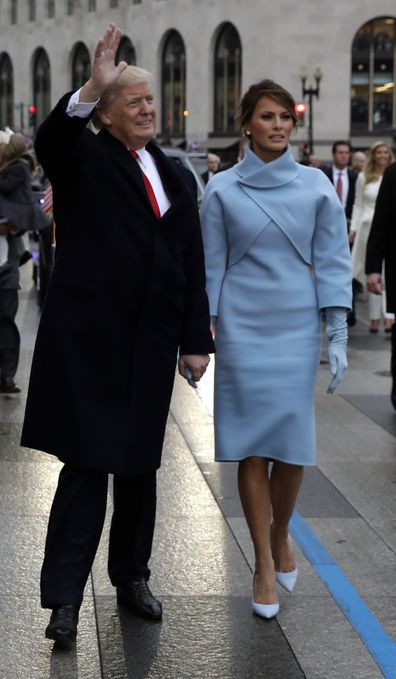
(341, 156)
(213, 163)
(131, 118)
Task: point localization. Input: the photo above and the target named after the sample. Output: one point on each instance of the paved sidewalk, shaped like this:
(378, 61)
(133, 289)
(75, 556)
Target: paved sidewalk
(202, 561)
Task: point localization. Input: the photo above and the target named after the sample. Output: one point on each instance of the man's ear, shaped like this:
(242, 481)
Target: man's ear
(105, 118)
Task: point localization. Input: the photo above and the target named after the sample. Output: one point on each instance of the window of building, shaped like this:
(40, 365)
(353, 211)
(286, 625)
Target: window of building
(14, 12)
(373, 76)
(81, 66)
(126, 52)
(113, 3)
(70, 7)
(91, 5)
(41, 85)
(51, 9)
(31, 10)
(136, 2)
(173, 86)
(6, 92)
(227, 80)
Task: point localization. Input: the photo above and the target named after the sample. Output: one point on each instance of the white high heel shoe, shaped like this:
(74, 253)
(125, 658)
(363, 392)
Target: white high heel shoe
(265, 610)
(287, 580)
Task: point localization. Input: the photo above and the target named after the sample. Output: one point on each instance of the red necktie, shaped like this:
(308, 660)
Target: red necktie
(149, 188)
(339, 186)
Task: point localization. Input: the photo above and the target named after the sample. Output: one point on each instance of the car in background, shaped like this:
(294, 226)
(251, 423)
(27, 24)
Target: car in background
(194, 161)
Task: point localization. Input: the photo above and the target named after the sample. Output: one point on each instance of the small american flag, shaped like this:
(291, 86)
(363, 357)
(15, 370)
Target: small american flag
(47, 200)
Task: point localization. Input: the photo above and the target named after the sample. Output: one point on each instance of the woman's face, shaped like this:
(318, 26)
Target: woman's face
(381, 156)
(270, 128)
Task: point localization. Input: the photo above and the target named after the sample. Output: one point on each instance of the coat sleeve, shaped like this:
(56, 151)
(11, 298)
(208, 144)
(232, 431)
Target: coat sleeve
(57, 139)
(196, 337)
(330, 252)
(215, 246)
(382, 223)
(357, 209)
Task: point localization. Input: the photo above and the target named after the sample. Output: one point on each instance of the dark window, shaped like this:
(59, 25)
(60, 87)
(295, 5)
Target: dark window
(126, 52)
(6, 92)
(227, 80)
(32, 10)
(373, 76)
(41, 85)
(81, 66)
(174, 86)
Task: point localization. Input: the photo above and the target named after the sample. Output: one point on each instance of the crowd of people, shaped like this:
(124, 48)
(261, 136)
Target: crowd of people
(241, 273)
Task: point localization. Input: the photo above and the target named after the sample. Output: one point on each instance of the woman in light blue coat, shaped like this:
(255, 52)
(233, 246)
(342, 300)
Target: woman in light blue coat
(277, 257)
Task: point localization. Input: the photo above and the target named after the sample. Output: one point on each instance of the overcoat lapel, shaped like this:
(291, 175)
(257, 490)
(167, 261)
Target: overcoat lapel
(121, 157)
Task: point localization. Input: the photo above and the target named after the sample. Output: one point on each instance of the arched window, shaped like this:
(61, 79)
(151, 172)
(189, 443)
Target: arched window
(6, 91)
(173, 86)
(41, 85)
(81, 66)
(126, 52)
(373, 76)
(227, 80)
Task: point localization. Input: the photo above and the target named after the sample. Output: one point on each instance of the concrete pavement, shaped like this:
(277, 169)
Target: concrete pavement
(202, 560)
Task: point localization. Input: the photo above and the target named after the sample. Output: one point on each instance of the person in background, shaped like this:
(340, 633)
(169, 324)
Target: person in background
(126, 295)
(379, 156)
(313, 160)
(381, 250)
(342, 177)
(16, 210)
(357, 161)
(213, 167)
(277, 258)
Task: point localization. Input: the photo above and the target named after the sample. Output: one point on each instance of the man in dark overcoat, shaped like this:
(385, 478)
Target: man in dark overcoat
(381, 248)
(126, 294)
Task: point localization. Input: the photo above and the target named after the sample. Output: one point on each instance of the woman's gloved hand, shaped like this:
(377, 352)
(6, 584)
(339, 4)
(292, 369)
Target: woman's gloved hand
(337, 333)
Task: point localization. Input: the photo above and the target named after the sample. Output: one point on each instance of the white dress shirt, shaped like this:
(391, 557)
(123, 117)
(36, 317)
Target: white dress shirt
(82, 109)
(345, 183)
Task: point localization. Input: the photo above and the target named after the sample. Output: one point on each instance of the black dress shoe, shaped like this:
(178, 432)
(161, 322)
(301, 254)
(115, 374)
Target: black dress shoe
(63, 624)
(8, 386)
(137, 597)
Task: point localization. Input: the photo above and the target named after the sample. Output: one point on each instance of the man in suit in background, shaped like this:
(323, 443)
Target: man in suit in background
(213, 167)
(127, 292)
(344, 180)
(381, 247)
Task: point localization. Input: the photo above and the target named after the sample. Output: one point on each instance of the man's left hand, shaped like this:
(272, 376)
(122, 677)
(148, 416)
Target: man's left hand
(196, 363)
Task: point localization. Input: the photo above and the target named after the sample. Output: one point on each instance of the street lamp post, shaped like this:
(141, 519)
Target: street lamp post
(310, 92)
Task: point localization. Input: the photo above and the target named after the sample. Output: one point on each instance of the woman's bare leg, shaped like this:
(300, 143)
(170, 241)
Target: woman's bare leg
(285, 483)
(254, 491)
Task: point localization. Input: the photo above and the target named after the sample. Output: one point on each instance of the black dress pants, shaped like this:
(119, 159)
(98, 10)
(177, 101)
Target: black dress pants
(75, 526)
(393, 358)
(9, 334)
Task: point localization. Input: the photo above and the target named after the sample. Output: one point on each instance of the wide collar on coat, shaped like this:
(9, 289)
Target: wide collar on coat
(175, 188)
(258, 174)
(276, 189)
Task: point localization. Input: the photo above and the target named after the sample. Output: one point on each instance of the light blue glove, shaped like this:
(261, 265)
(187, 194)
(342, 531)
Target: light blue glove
(337, 333)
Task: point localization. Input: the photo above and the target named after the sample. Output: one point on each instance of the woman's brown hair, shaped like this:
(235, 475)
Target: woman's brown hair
(265, 88)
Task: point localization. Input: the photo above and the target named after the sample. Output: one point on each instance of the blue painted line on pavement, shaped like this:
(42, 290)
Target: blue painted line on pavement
(378, 642)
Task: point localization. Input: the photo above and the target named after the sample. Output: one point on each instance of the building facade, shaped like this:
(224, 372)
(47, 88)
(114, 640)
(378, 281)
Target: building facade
(204, 54)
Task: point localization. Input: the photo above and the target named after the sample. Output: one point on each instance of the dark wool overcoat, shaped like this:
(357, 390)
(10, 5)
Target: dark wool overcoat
(127, 291)
(381, 244)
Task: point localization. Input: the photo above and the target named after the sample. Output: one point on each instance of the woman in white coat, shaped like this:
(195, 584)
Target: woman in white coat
(277, 256)
(368, 182)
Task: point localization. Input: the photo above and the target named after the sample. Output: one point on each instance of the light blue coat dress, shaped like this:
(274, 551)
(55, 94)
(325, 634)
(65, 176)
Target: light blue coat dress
(276, 253)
